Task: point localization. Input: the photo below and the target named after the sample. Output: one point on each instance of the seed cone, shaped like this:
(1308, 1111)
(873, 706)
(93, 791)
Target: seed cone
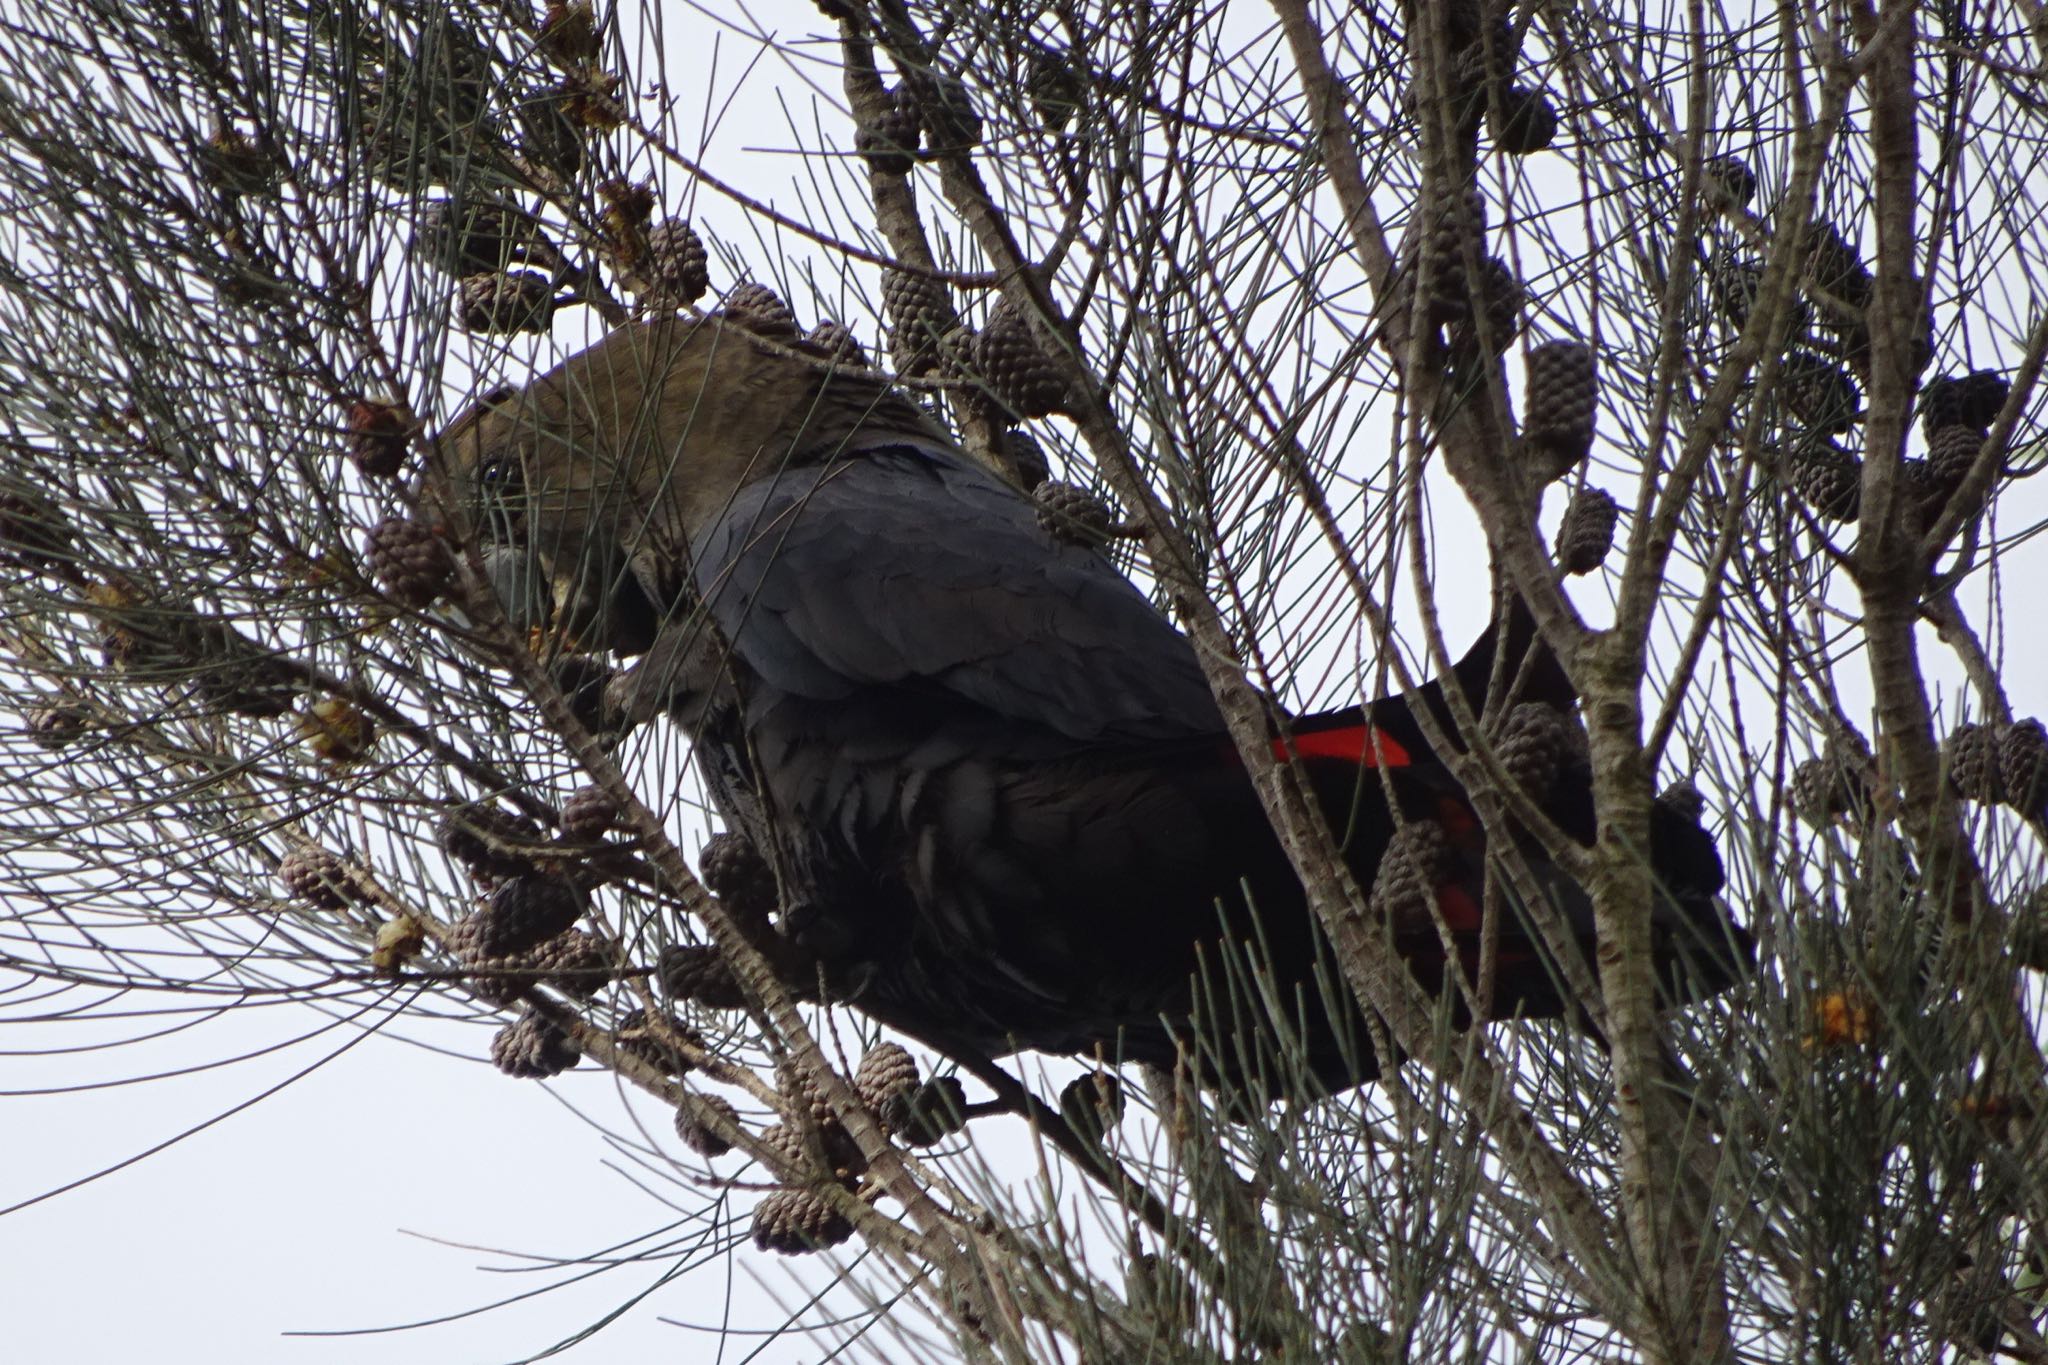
(656, 1041)
(574, 963)
(1014, 372)
(696, 1134)
(1951, 451)
(889, 142)
(489, 841)
(1728, 181)
(1535, 743)
(2023, 765)
(1561, 398)
(533, 1048)
(1587, 532)
(335, 731)
(380, 436)
(761, 311)
(1971, 755)
(504, 302)
(525, 912)
(927, 1115)
(1828, 480)
(1980, 395)
(319, 878)
(735, 872)
(589, 813)
(678, 268)
(798, 1222)
(885, 1071)
(1829, 787)
(1404, 892)
(408, 562)
(1093, 1105)
(1526, 122)
(835, 342)
(1820, 394)
(921, 316)
(699, 974)
(1072, 514)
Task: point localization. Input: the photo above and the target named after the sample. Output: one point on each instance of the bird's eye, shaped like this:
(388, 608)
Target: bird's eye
(498, 497)
(498, 472)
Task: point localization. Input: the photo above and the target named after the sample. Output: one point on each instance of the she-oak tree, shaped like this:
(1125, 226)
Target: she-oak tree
(1309, 292)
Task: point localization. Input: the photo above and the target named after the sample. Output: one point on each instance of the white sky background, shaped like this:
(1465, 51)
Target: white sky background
(310, 1210)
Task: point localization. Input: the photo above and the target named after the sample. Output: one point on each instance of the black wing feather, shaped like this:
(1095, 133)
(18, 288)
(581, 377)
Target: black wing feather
(912, 570)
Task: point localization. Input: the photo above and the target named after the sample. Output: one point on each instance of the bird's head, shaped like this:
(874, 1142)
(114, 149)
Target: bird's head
(605, 468)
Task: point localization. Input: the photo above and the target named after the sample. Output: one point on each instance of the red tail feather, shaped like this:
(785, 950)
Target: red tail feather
(1361, 744)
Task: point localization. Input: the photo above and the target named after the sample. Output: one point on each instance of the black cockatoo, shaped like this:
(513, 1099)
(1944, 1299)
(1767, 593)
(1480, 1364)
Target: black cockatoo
(1002, 806)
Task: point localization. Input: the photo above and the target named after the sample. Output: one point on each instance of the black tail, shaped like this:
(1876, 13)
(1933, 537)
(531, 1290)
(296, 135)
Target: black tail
(1700, 951)
(1509, 655)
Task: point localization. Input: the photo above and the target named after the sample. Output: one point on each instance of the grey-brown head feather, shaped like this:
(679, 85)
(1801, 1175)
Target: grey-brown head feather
(607, 466)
